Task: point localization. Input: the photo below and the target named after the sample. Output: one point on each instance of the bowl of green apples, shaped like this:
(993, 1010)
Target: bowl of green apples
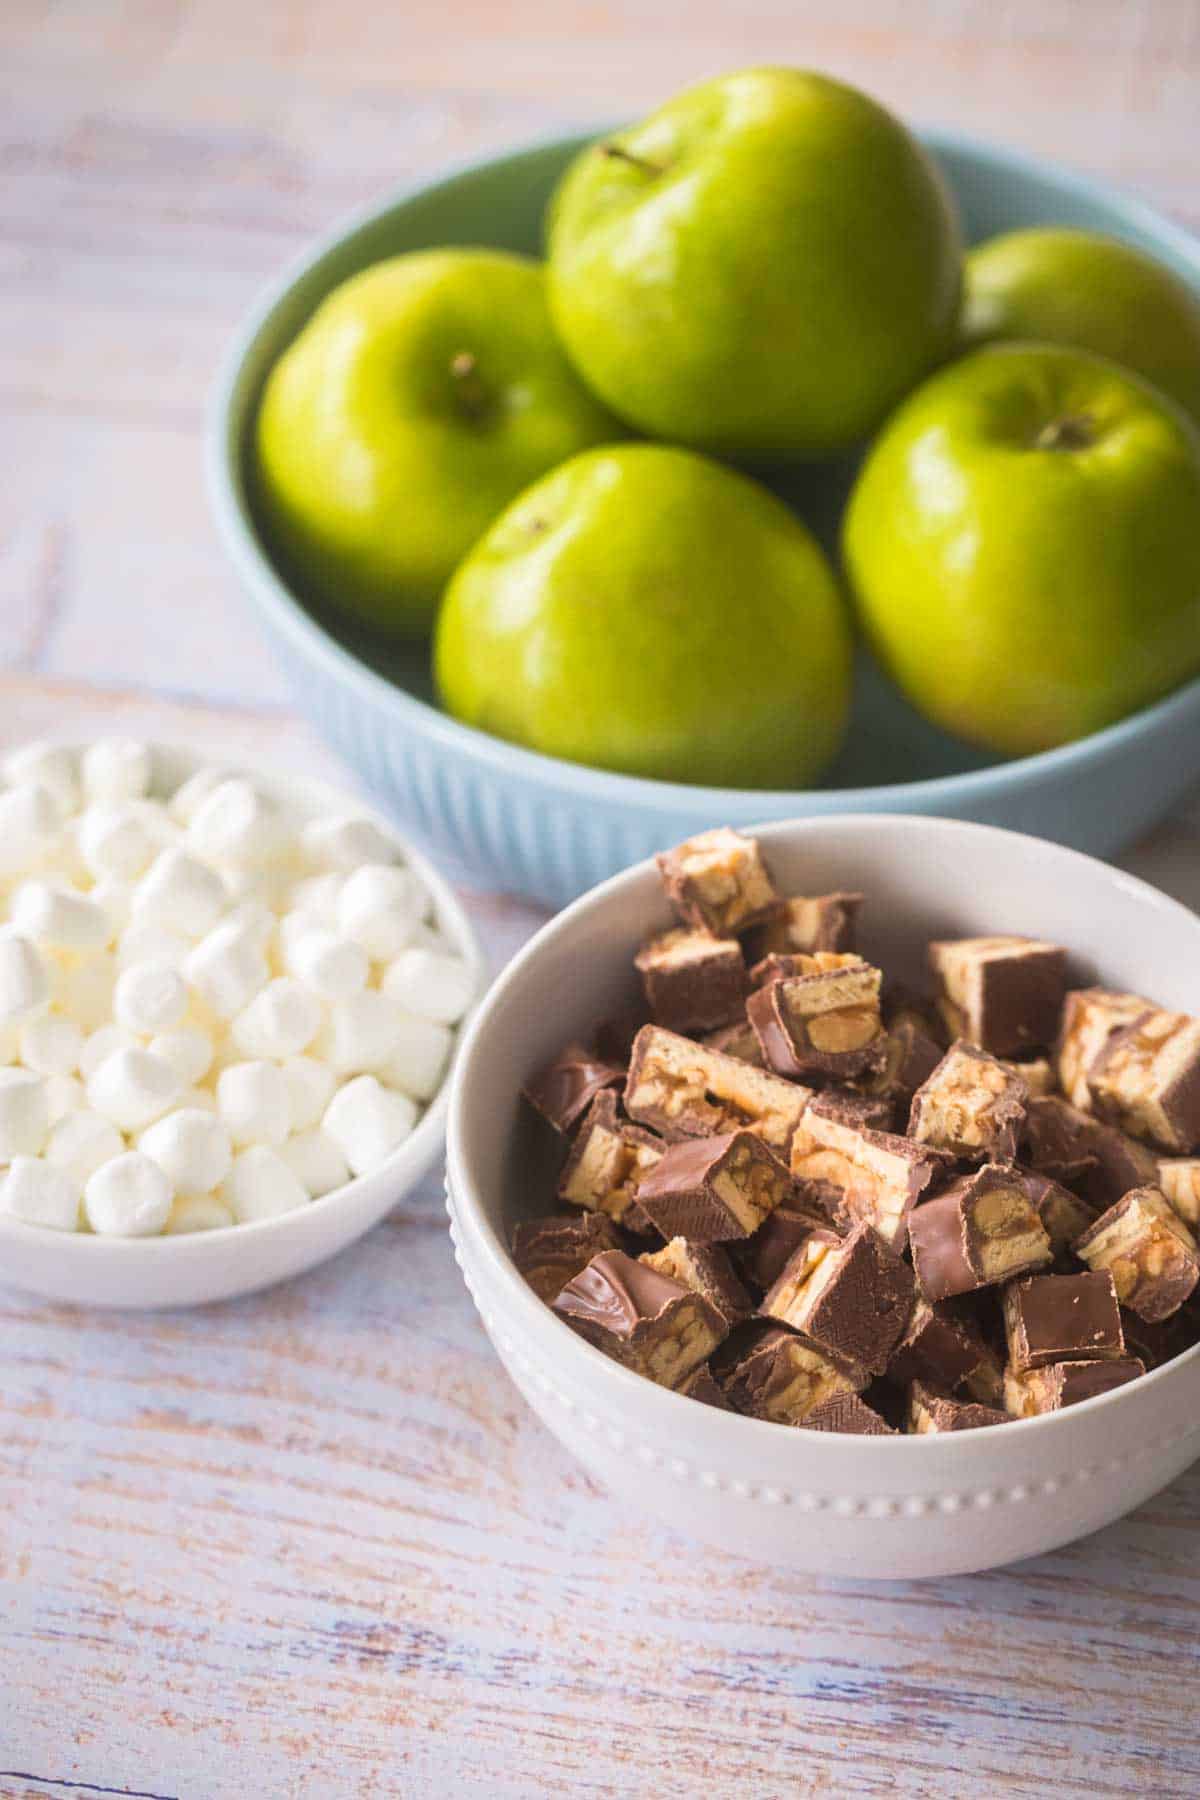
(762, 459)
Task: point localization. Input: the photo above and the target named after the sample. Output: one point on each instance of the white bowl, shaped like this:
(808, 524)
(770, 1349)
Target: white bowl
(899, 1507)
(217, 1265)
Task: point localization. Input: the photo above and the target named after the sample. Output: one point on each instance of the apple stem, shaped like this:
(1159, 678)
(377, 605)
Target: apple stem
(621, 154)
(1074, 431)
(471, 393)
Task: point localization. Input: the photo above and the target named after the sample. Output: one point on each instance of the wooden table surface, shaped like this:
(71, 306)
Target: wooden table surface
(312, 1543)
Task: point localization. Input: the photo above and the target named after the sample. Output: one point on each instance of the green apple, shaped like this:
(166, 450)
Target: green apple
(419, 399)
(1023, 543)
(647, 610)
(760, 269)
(1072, 287)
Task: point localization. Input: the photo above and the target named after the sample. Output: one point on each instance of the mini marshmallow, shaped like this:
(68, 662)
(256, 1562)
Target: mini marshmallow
(379, 907)
(80, 1142)
(144, 941)
(367, 1121)
(235, 823)
(117, 900)
(31, 821)
(40, 1194)
(197, 1212)
(50, 1045)
(115, 769)
(82, 988)
(431, 984)
(24, 980)
(360, 1034)
(64, 1094)
(332, 966)
(316, 1162)
(320, 895)
(101, 1044)
(57, 917)
(252, 1098)
(150, 997)
(115, 843)
(133, 1088)
(346, 842)
(9, 1037)
(49, 766)
(418, 1060)
(185, 802)
(227, 968)
(24, 1116)
(192, 1148)
(127, 1197)
(310, 1086)
(189, 1052)
(279, 1022)
(261, 1186)
(256, 919)
(180, 892)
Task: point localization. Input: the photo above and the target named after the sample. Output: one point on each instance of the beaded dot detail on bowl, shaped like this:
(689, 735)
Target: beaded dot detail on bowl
(212, 1011)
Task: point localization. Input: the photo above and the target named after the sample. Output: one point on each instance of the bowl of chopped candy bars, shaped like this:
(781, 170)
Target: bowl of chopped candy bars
(832, 1190)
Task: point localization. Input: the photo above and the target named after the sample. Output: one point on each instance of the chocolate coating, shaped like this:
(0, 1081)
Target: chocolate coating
(1062, 1318)
(566, 1087)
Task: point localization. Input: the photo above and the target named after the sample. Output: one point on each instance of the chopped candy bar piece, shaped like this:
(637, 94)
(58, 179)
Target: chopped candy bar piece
(1032, 1391)
(1062, 1318)
(1179, 1179)
(972, 1106)
(1089, 1018)
(848, 1414)
(822, 1020)
(865, 1112)
(650, 1324)
(778, 965)
(566, 1087)
(692, 980)
(1073, 1146)
(823, 922)
(1003, 994)
(852, 1296)
(713, 1189)
(684, 1090)
(719, 881)
(880, 1176)
(551, 1252)
(608, 1159)
(909, 1057)
(1149, 1251)
(983, 1229)
(1065, 1216)
(700, 1385)
(707, 1271)
(761, 1258)
(736, 1040)
(943, 1351)
(783, 1377)
(1038, 1075)
(1159, 1343)
(1146, 1079)
(931, 1412)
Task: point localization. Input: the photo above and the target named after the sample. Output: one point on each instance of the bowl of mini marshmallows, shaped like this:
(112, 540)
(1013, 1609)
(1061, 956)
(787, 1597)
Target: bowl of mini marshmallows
(229, 1001)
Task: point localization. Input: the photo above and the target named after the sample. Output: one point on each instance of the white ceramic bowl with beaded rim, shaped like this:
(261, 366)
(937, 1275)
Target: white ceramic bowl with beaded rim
(197, 1267)
(883, 1508)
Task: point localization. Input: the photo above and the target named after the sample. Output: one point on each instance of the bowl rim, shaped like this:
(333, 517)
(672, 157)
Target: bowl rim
(519, 1300)
(409, 1159)
(224, 455)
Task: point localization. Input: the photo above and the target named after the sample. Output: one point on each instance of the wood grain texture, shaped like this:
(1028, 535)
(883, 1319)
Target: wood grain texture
(312, 1543)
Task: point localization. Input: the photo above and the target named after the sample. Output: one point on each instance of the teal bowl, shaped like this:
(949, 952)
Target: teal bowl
(511, 819)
